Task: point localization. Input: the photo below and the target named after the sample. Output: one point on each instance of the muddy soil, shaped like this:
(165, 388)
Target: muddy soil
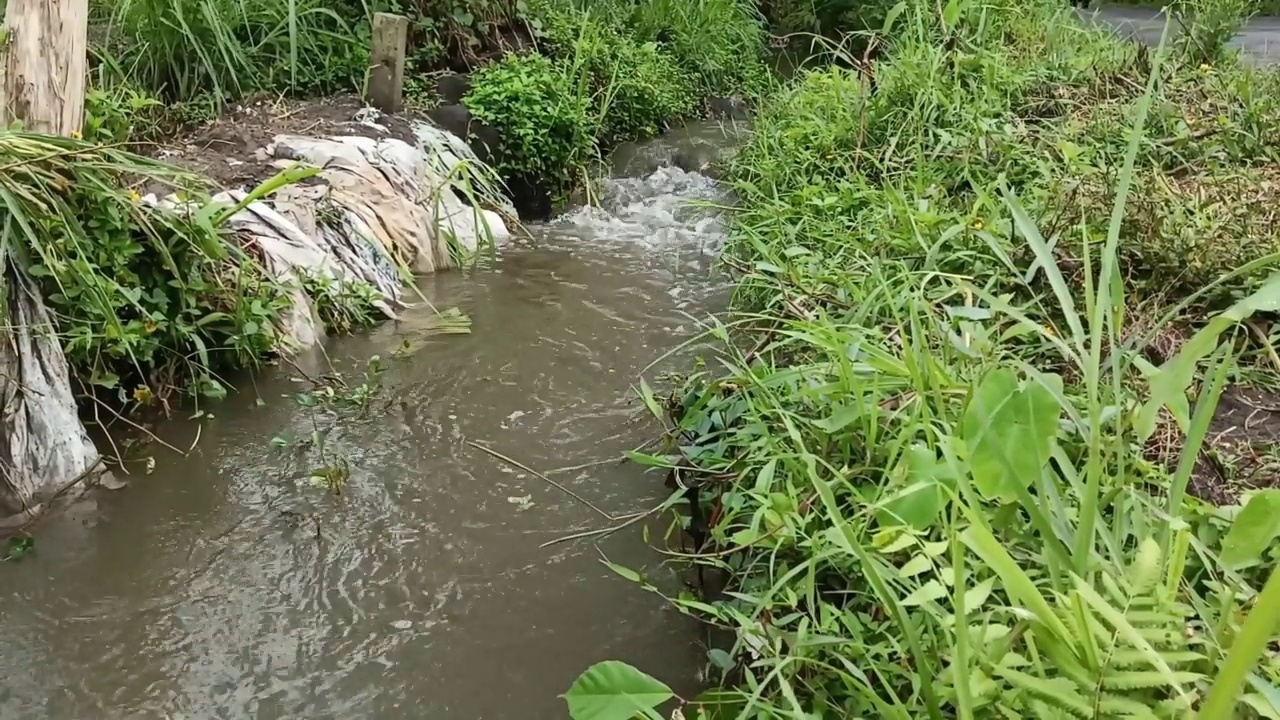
(227, 150)
(1242, 449)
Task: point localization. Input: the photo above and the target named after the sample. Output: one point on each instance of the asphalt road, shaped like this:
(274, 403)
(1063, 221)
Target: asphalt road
(1259, 42)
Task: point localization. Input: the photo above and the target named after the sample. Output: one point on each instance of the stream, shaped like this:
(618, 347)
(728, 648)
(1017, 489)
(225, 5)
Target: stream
(225, 584)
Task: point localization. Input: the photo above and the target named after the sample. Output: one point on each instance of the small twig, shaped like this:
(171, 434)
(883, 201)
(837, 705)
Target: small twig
(115, 448)
(138, 427)
(597, 463)
(544, 478)
(196, 440)
(584, 466)
(61, 491)
(630, 520)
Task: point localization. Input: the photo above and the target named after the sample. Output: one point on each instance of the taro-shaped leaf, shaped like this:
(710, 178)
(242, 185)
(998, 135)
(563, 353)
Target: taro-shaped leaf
(613, 690)
(1255, 528)
(917, 494)
(1009, 429)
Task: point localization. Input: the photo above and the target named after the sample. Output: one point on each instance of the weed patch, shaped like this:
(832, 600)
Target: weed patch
(921, 460)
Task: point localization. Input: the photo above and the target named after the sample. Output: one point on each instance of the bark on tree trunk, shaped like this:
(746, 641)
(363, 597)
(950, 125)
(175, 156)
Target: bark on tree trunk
(44, 448)
(45, 63)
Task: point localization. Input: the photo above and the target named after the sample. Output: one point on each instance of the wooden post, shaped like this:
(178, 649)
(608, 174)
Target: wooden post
(44, 449)
(42, 75)
(386, 62)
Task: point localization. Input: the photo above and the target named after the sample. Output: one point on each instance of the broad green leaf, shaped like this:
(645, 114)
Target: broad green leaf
(1169, 385)
(1009, 431)
(1253, 531)
(915, 566)
(614, 690)
(931, 591)
(976, 596)
(921, 499)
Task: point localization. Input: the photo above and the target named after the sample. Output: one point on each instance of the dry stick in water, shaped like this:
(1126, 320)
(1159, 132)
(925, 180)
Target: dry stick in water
(597, 463)
(630, 520)
(544, 478)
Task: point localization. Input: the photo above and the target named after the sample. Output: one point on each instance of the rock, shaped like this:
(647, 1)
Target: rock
(696, 158)
(452, 87)
(482, 139)
(109, 481)
(454, 118)
(732, 107)
(485, 142)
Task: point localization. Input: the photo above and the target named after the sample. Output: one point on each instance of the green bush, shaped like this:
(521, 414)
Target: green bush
(641, 90)
(543, 122)
(142, 297)
(826, 17)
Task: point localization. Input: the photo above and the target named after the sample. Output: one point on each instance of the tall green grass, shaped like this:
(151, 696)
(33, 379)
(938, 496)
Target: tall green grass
(925, 459)
(228, 48)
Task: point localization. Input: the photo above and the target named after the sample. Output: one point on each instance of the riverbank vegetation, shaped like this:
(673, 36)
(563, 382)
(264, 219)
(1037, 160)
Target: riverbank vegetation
(992, 433)
(147, 298)
(556, 82)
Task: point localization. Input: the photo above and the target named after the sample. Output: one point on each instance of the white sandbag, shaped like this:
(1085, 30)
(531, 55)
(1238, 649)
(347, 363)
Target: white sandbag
(44, 448)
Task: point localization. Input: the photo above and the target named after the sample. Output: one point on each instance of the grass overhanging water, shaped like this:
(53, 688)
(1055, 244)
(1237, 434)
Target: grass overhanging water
(955, 456)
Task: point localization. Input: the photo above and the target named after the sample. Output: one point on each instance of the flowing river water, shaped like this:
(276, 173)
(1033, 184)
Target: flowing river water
(225, 585)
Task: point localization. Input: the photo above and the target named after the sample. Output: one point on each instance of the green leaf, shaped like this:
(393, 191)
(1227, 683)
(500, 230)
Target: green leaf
(931, 591)
(1169, 384)
(1010, 433)
(919, 503)
(1253, 531)
(1250, 643)
(614, 690)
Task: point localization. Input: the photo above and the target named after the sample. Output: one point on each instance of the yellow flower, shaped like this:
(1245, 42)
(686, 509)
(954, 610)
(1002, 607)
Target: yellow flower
(977, 225)
(75, 134)
(1206, 68)
(135, 196)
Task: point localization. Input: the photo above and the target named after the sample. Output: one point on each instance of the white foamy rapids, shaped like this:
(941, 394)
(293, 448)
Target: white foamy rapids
(669, 207)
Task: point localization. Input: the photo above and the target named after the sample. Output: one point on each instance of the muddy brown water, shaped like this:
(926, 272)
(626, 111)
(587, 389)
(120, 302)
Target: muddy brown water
(225, 585)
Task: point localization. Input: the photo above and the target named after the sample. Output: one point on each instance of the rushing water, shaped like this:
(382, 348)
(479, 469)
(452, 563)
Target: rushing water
(224, 584)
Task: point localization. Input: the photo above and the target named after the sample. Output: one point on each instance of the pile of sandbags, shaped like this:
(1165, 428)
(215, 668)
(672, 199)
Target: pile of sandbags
(381, 210)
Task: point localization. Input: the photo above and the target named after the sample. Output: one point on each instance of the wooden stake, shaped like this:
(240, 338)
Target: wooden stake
(45, 44)
(386, 62)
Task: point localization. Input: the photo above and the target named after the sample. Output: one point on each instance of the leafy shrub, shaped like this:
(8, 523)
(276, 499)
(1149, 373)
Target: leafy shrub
(826, 17)
(1208, 25)
(112, 115)
(642, 90)
(544, 123)
(140, 295)
(636, 88)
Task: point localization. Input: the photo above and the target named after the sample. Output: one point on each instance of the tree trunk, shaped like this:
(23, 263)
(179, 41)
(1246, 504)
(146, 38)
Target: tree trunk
(44, 448)
(43, 73)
